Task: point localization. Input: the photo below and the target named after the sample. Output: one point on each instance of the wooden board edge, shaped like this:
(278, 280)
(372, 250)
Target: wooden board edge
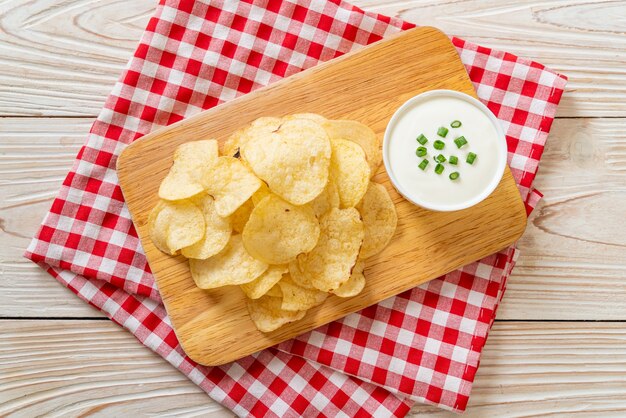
(149, 136)
(126, 175)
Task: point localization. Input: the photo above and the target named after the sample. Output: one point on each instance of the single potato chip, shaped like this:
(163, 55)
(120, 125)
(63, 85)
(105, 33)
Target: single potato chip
(330, 263)
(216, 234)
(278, 231)
(358, 133)
(275, 291)
(298, 298)
(158, 232)
(297, 273)
(239, 217)
(262, 284)
(230, 148)
(293, 160)
(259, 126)
(191, 161)
(355, 283)
(175, 225)
(379, 218)
(310, 116)
(260, 194)
(231, 184)
(326, 200)
(349, 171)
(232, 266)
(267, 315)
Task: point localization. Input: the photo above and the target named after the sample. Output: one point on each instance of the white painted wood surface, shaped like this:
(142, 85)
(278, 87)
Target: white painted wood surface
(61, 57)
(78, 368)
(73, 50)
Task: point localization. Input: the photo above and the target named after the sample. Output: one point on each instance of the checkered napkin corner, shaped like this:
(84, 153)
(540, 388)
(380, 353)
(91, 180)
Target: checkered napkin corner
(524, 96)
(422, 345)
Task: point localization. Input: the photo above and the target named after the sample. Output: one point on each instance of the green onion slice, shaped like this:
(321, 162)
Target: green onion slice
(456, 124)
(460, 141)
(439, 169)
(453, 176)
(423, 164)
(471, 157)
(422, 139)
(441, 158)
(453, 160)
(439, 144)
(421, 151)
(442, 132)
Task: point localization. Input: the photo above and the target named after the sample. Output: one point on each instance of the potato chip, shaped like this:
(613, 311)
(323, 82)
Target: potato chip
(231, 184)
(310, 116)
(297, 273)
(293, 160)
(267, 315)
(232, 266)
(379, 218)
(191, 161)
(216, 234)
(239, 217)
(236, 140)
(349, 171)
(260, 194)
(175, 225)
(230, 148)
(329, 264)
(326, 200)
(355, 283)
(158, 233)
(275, 291)
(262, 284)
(358, 133)
(298, 298)
(278, 231)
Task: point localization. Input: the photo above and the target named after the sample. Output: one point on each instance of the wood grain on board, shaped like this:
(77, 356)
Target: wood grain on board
(559, 275)
(348, 88)
(94, 368)
(72, 51)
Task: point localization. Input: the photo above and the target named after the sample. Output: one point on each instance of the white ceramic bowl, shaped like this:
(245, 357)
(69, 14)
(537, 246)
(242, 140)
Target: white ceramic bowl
(500, 161)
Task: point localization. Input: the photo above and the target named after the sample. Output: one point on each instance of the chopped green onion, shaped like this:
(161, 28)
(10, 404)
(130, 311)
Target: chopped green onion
(441, 158)
(442, 132)
(453, 160)
(454, 176)
(470, 158)
(422, 139)
(423, 164)
(456, 124)
(439, 169)
(460, 141)
(421, 151)
(439, 144)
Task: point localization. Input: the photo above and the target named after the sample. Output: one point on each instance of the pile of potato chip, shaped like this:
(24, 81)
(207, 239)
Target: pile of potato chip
(287, 212)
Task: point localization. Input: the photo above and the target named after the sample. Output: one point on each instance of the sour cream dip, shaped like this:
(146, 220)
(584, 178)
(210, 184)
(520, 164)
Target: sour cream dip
(429, 134)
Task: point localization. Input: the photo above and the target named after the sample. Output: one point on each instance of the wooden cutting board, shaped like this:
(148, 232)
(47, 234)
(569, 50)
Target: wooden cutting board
(369, 85)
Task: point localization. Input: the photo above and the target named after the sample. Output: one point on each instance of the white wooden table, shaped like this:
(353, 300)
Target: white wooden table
(559, 344)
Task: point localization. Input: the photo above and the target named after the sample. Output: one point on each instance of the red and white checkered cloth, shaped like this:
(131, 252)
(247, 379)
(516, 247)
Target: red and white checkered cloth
(423, 345)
